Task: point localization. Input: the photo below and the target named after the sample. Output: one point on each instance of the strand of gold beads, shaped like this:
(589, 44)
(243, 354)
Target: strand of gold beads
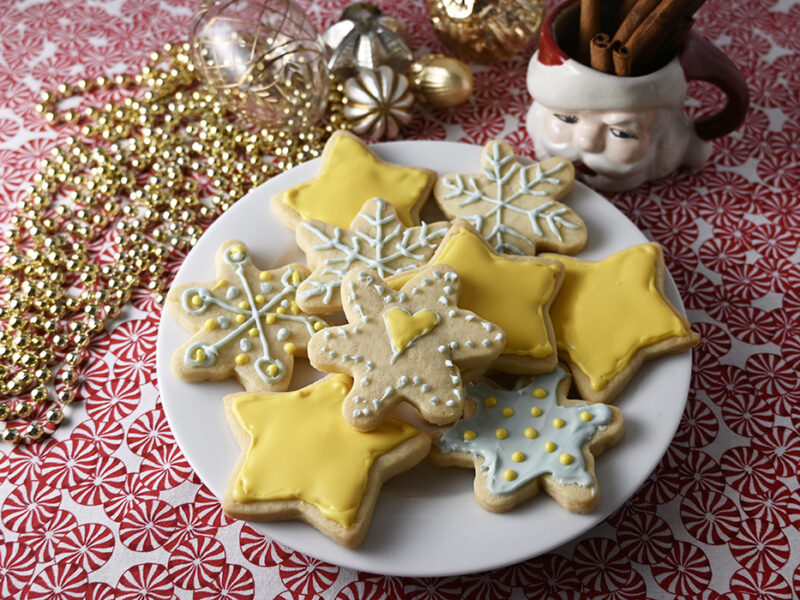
(134, 186)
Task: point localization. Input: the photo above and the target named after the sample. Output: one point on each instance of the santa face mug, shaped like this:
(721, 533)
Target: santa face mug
(623, 131)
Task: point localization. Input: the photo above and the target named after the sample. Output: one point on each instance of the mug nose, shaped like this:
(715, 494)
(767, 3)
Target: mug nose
(589, 137)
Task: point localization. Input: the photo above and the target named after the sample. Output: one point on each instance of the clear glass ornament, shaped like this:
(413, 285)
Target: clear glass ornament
(265, 57)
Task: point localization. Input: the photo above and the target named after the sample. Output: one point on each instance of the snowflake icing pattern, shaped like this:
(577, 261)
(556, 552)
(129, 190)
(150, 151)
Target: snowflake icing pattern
(514, 207)
(377, 240)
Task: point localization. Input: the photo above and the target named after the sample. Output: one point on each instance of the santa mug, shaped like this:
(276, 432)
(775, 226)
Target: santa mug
(623, 131)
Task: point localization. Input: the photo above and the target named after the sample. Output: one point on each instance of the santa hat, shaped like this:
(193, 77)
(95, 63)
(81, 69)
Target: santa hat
(558, 81)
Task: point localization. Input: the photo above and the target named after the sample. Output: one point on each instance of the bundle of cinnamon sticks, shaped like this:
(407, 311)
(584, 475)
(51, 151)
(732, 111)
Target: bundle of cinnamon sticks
(633, 37)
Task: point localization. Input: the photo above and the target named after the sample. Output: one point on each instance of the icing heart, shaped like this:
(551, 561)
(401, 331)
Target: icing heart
(404, 328)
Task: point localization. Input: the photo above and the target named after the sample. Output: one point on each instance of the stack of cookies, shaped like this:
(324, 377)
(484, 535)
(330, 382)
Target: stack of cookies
(436, 314)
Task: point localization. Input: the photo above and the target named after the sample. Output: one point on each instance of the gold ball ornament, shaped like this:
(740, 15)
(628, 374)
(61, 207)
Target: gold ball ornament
(485, 31)
(441, 81)
(264, 57)
(379, 103)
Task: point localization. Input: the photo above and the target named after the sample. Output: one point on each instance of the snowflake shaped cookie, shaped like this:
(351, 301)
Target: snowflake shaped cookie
(408, 345)
(246, 323)
(531, 436)
(514, 207)
(376, 240)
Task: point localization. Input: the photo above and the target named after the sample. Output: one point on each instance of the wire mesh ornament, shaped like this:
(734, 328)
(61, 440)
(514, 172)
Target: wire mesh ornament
(265, 56)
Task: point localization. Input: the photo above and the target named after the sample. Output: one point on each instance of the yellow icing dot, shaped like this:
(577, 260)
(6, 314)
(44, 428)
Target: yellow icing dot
(244, 305)
(558, 423)
(280, 310)
(539, 393)
(242, 359)
(197, 301)
(270, 318)
(530, 433)
(260, 299)
(210, 325)
(252, 332)
(470, 435)
(508, 411)
(586, 416)
(294, 308)
(289, 348)
(199, 355)
(319, 325)
(490, 401)
(273, 370)
(518, 456)
(536, 411)
(550, 447)
(501, 434)
(296, 277)
(237, 248)
(240, 318)
(566, 459)
(509, 474)
(220, 284)
(265, 276)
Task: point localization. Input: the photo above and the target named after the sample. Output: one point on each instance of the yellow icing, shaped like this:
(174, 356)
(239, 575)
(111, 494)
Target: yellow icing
(530, 433)
(265, 275)
(270, 318)
(536, 411)
(509, 474)
(507, 292)
(219, 285)
(273, 370)
(260, 299)
(508, 412)
(501, 434)
(469, 434)
(199, 355)
(404, 328)
(352, 175)
(558, 423)
(550, 447)
(240, 319)
(608, 310)
(241, 359)
(290, 348)
(539, 393)
(252, 332)
(318, 325)
(566, 459)
(586, 416)
(490, 401)
(210, 325)
(319, 460)
(518, 456)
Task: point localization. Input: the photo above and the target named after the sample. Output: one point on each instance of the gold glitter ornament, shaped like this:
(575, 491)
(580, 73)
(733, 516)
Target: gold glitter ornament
(379, 103)
(441, 81)
(485, 31)
(262, 56)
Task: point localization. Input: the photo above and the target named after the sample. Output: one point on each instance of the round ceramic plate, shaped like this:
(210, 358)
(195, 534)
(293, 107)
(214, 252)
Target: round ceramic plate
(426, 522)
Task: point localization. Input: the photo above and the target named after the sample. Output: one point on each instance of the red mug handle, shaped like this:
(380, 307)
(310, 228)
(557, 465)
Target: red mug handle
(703, 61)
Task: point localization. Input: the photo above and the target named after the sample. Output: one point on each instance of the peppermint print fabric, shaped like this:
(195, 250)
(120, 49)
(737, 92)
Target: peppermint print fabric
(110, 508)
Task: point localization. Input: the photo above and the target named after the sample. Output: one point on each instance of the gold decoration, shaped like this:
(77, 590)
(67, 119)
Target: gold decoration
(265, 57)
(148, 173)
(378, 103)
(441, 81)
(485, 31)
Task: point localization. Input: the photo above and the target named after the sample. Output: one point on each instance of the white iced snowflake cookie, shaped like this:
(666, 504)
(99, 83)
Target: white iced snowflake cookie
(408, 345)
(515, 208)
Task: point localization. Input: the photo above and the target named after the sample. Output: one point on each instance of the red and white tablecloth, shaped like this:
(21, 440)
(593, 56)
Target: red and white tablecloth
(110, 508)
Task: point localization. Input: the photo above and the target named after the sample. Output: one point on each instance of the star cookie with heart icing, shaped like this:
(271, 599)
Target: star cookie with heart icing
(530, 437)
(350, 175)
(376, 239)
(514, 292)
(300, 460)
(409, 345)
(612, 315)
(515, 208)
(246, 323)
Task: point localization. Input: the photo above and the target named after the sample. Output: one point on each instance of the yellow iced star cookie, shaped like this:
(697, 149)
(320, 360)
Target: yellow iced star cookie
(515, 292)
(350, 175)
(612, 315)
(301, 460)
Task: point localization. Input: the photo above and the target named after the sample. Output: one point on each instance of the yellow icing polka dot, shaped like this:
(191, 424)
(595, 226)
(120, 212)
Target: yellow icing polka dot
(539, 393)
(509, 474)
(220, 284)
(296, 277)
(490, 401)
(558, 423)
(280, 310)
(530, 433)
(518, 456)
(265, 276)
(199, 355)
(210, 325)
(273, 370)
(252, 332)
(236, 249)
(242, 359)
(566, 459)
(550, 447)
(586, 416)
(294, 308)
(508, 412)
(501, 434)
(260, 299)
(270, 318)
(470, 435)
(240, 318)
(244, 305)
(319, 325)
(289, 348)
(197, 301)
(536, 411)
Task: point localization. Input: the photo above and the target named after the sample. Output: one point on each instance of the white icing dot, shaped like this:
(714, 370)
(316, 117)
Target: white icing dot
(470, 317)
(245, 345)
(283, 333)
(232, 293)
(389, 390)
(223, 322)
(415, 290)
(285, 303)
(365, 381)
(402, 382)
(437, 274)
(424, 388)
(435, 400)
(332, 354)
(387, 299)
(455, 379)
(356, 329)
(448, 289)
(454, 345)
(486, 343)
(443, 300)
(370, 365)
(402, 297)
(442, 349)
(376, 403)
(426, 281)
(451, 276)
(357, 400)
(450, 403)
(487, 326)
(266, 287)
(452, 313)
(357, 413)
(448, 363)
(380, 289)
(470, 344)
(366, 412)
(416, 380)
(499, 337)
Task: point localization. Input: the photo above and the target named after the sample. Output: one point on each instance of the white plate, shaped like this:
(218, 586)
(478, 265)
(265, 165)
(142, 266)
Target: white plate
(426, 522)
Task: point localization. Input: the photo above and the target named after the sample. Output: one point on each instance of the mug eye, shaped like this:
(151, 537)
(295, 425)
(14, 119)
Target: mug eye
(622, 134)
(571, 119)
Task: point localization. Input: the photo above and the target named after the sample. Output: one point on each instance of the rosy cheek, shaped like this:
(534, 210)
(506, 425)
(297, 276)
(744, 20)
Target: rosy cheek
(626, 150)
(557, 131)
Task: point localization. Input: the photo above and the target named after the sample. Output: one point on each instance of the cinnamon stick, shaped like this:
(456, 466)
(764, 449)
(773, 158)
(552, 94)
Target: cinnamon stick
(622, 12)
(589, 27)
(621, 58)
(601, 53)
(633, 19)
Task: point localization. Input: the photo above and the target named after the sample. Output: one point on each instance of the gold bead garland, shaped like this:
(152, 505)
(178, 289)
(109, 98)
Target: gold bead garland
(131, 178)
